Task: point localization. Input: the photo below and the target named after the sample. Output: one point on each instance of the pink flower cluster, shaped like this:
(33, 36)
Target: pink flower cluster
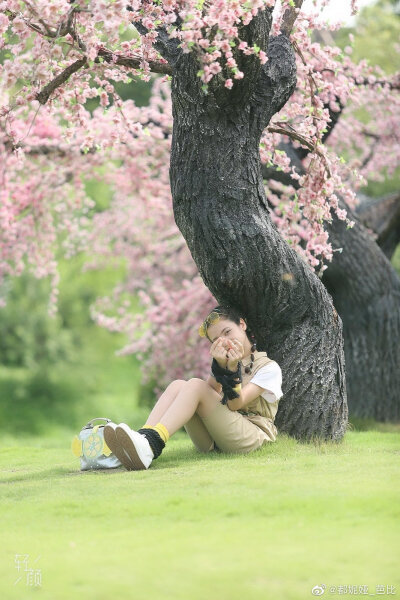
(356, 150)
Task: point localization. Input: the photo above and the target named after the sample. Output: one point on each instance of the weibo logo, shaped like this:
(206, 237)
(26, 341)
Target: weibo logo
(318, 590)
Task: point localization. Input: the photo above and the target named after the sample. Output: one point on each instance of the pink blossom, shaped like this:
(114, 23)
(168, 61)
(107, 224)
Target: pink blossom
(4, 22)
(215, 68)
(104, 99)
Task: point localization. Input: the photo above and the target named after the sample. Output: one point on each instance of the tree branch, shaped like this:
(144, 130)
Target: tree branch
(107, 56)
(46, 150)
(12, 15)
(292, 134)
(381, 215)
(57, 82)
(393, 84)
(166, 46)
(66, 27)
(277, 79)
(290, 17)
(156, 66)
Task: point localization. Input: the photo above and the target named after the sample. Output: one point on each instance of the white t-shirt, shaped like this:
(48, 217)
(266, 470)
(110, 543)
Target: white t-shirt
(269, 378)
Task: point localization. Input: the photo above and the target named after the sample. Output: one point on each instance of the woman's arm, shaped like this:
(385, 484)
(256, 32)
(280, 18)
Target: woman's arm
(248, 393)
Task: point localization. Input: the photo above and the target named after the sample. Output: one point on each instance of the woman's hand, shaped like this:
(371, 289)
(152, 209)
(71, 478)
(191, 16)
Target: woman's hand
(219, 351)
(235, 354)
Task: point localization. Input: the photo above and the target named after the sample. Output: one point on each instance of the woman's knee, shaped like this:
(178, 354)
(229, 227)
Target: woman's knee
(177, 384)
(196, 382)
(201, 386)
(207, 397)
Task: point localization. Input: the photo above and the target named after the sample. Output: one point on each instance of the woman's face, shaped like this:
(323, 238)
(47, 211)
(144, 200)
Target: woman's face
(228, 330)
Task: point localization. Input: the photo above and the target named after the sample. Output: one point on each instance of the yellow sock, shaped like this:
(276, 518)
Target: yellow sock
(161, 430)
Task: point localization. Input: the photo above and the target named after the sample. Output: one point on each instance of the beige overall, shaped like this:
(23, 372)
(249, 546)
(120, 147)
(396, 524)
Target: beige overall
(237, 431)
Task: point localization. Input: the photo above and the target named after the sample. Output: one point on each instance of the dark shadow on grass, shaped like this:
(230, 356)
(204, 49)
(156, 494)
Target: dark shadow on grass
(171, 459)
(56, 473)
(174, 458)
(177, 456)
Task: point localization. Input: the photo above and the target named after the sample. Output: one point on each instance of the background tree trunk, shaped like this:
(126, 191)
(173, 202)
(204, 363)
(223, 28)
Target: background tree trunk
(221, 209)
(382, 215)
(366, 293)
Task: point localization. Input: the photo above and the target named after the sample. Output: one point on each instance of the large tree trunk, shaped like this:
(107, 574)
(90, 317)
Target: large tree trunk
(366, 293)
(221, 209)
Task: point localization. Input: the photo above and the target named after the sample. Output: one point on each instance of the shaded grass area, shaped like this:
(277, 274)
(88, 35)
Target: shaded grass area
(273, 523)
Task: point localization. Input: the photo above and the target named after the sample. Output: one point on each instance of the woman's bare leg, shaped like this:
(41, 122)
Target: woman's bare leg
(194, 396)
(165, 401)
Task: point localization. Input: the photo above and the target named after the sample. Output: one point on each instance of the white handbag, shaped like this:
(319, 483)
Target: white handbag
(92, 449)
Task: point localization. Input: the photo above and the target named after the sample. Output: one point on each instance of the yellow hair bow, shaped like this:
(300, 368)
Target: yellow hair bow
(212, 318)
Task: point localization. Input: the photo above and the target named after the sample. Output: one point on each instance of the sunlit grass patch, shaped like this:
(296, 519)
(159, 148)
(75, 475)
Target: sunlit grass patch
(275, 522)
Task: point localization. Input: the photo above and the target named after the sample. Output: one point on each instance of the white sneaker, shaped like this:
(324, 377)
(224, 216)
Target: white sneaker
(115, 447)
(136, 446)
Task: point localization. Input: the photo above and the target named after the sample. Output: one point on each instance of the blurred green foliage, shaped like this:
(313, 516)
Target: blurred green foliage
(33, 399)
(376, 34)
(63, 370)
(28, 336)
(381, 188)
(98, 190)
(137, 90)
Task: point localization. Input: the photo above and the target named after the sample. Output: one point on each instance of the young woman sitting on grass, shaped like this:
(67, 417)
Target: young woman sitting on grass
(232, 411)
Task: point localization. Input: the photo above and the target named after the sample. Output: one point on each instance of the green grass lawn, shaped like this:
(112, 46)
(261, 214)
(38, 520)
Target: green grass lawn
(271, 524)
